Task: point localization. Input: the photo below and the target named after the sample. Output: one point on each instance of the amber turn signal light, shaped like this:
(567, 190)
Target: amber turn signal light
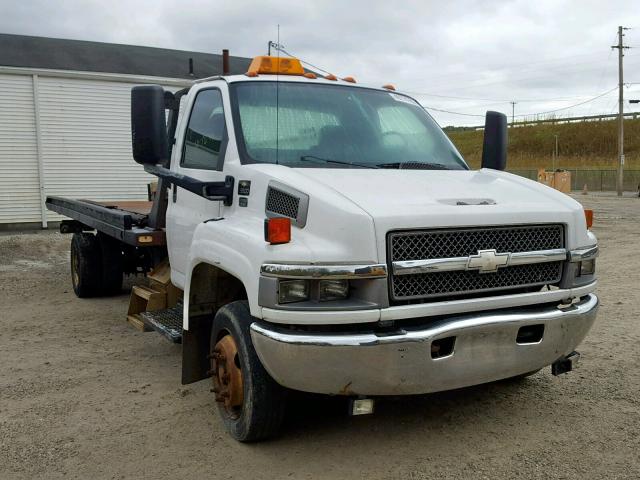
(275, 65)
(588, 215)
(277, 230)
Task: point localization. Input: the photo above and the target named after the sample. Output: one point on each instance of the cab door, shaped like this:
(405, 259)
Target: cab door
(199, 153)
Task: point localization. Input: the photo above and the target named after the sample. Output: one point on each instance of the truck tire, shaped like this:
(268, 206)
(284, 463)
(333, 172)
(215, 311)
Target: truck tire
(112, 264)
(86, 265)
(250, 402)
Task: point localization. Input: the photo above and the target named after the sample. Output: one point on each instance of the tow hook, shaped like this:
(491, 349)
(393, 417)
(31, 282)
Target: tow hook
(566, 364)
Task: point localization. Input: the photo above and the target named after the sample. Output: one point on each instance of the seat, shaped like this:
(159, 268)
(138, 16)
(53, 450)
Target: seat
(332, 143)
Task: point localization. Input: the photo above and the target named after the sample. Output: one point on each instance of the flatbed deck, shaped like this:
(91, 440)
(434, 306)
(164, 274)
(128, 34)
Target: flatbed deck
(126, 221)
(139, 207)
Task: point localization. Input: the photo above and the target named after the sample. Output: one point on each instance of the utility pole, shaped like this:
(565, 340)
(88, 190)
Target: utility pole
(513, 112)
(620, 48)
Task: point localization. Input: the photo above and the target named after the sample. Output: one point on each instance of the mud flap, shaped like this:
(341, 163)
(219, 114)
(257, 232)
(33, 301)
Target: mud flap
(195, 349)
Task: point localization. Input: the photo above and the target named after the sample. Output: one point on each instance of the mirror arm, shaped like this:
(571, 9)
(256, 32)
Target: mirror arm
(215, 191)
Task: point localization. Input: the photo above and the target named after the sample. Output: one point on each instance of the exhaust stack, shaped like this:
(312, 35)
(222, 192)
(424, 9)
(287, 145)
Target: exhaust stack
(225, 61)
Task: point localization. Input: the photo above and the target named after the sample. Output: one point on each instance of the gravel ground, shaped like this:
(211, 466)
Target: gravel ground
(83, 395)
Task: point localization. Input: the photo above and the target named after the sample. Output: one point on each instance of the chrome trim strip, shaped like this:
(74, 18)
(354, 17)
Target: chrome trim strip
(324, 317)
(585, 253)
(539, 256)
(410, 267)
(330, 272)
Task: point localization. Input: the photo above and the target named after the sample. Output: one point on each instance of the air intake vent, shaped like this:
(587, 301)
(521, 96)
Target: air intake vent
(283, 201)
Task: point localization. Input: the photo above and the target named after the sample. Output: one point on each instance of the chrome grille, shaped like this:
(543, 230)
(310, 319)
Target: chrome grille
(282, 203)
(448, 243)
(419, 245)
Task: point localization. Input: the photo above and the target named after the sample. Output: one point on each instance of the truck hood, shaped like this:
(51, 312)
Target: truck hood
(407, 199)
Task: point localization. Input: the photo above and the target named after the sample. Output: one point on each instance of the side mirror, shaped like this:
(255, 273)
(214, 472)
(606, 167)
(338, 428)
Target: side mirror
(494, 146)
(148, 125)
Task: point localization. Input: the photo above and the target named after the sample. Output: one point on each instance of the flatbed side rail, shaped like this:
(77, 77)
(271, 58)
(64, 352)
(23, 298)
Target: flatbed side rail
(124, 226)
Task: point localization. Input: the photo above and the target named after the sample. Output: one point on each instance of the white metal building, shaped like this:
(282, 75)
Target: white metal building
(65, 118)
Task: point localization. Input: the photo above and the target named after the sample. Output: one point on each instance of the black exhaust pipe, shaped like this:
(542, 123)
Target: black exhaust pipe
(225, 62)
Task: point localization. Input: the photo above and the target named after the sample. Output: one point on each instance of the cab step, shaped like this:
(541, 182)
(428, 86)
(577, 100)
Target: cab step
(168, 322)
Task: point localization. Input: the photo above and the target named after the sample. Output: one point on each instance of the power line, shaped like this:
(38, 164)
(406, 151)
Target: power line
(566, 70)
(454, 97)
(479, 105)
(570, 106)
(280, 48)
(526, 114)
(497, 100)
(453, 113)
(529, 64)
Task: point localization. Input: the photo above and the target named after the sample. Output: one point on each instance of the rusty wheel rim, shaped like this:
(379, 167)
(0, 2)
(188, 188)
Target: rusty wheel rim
(226, 372)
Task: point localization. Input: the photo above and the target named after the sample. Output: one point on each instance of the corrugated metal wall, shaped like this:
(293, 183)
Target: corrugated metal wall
(85, 143)
(19, 182)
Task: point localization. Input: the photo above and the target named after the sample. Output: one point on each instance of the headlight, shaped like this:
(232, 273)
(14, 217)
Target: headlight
(290, 291)
(333, 290)
(588, 267)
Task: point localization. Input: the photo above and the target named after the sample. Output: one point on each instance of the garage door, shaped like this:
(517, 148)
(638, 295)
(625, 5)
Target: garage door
(86, 141)
(19, 184)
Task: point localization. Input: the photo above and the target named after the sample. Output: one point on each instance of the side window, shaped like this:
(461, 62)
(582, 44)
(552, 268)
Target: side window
(204, 140)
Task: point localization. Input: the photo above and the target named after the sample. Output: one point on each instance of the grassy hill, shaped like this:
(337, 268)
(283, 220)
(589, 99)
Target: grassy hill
(583, 145)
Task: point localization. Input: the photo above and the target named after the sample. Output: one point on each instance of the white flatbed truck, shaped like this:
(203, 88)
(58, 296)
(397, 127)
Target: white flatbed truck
(329, 238)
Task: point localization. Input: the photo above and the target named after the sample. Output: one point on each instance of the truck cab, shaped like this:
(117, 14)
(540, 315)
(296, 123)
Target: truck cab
(329, 238)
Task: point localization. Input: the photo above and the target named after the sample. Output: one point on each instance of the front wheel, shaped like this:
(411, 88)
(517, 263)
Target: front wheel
(250, 402)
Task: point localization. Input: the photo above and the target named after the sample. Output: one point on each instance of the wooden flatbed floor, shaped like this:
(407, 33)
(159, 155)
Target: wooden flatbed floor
(140, 207)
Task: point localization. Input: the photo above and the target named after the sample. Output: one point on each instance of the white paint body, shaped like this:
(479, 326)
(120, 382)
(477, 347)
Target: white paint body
(350, 212)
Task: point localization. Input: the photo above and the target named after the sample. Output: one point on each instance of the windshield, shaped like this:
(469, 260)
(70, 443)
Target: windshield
(338, 127)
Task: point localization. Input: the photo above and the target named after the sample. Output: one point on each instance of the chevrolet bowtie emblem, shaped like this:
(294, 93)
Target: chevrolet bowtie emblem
(488, 261)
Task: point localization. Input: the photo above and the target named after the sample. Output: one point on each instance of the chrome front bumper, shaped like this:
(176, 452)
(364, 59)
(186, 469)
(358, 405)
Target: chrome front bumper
(485, 350)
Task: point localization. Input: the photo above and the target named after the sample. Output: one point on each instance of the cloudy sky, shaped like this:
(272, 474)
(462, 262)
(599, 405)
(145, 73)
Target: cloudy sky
(460, 56)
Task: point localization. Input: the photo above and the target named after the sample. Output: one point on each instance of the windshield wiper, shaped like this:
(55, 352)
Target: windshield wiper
(414, 166)
(311, 158)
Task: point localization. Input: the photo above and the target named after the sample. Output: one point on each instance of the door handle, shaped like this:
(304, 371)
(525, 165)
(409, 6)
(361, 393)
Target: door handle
(174, 192)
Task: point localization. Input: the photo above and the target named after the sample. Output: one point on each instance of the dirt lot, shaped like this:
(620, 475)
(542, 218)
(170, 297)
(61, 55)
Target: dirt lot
(82, 395)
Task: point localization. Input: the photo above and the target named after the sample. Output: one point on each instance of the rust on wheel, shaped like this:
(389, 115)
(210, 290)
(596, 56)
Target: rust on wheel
(227, 375)
(74, 268)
